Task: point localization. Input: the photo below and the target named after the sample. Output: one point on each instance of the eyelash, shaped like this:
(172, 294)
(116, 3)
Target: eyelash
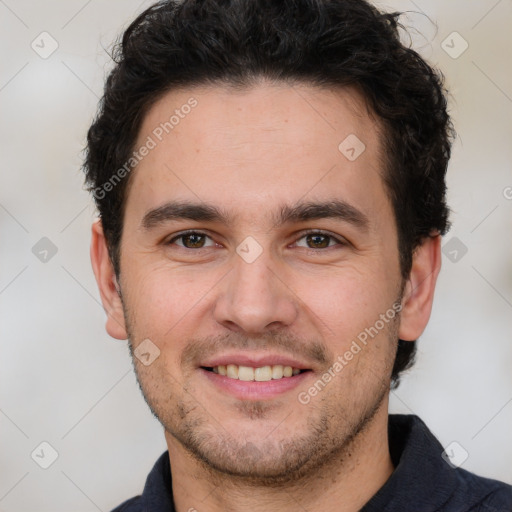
(339, 241)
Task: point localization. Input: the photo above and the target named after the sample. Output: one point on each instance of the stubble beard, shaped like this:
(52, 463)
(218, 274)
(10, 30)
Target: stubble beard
(270, 462)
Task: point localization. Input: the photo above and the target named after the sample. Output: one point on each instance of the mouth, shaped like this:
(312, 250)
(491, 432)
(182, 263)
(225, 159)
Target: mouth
(255, 374)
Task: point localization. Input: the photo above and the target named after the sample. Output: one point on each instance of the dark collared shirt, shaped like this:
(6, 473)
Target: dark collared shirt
(422, 481)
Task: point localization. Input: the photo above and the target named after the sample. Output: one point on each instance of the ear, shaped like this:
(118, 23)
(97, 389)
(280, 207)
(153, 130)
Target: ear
(107, 283)
(419, 289)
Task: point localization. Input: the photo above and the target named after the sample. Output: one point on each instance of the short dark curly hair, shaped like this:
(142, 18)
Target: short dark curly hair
(332, 43)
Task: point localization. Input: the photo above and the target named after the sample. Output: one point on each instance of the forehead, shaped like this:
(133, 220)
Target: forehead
(245, 148)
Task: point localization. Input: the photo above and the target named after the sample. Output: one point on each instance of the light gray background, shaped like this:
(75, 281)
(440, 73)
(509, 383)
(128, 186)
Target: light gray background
(64, 381)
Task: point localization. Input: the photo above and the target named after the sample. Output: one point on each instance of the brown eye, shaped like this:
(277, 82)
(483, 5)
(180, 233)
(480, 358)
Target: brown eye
(191, 240)
(318, 241)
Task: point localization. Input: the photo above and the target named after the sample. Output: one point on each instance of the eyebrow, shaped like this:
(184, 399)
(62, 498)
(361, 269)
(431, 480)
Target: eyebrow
(300, 212)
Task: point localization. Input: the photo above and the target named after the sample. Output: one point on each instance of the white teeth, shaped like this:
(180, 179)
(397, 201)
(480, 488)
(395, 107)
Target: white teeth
(232, 371)
(277, 371)
(261, 374)
(245, 373)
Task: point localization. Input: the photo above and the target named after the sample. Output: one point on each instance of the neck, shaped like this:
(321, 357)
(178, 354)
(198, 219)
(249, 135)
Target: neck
(347, 480)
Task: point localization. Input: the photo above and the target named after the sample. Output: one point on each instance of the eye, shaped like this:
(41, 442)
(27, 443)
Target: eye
(319, 240)
(191, 240)
(313, 240)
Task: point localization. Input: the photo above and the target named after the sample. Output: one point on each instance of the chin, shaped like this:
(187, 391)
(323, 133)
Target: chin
(256, 455)
(271, 462)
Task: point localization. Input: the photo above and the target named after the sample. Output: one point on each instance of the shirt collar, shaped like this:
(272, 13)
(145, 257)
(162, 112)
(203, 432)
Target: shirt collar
(421, 475)
(157, 494)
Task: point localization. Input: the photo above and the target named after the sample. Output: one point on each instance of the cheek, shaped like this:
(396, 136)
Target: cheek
(344, 302)
(164, 301)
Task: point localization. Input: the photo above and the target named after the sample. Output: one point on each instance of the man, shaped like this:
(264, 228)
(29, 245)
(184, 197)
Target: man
(270, 183)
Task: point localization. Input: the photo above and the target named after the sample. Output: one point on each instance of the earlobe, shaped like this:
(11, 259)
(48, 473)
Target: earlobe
(419, 290)
(107, 283)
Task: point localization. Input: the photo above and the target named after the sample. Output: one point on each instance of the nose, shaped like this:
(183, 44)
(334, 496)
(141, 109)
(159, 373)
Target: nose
(255, 297)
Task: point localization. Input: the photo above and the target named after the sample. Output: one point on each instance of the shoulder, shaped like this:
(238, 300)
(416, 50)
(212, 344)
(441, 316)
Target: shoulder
(157, 493)
(132, 505)
(424, 475)
(483, 494)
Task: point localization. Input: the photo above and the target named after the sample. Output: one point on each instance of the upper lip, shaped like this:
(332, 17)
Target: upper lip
(255, 361)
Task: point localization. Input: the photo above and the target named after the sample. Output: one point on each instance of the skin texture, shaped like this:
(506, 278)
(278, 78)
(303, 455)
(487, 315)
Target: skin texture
(249, 153)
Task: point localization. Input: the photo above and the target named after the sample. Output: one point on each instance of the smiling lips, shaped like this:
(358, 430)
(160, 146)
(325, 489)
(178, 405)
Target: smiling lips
(255, 376)
(259, 374)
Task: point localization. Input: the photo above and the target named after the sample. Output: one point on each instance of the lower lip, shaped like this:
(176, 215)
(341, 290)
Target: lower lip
(253, 390)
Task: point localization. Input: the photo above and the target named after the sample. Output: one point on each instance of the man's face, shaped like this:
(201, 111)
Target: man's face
(269, 282)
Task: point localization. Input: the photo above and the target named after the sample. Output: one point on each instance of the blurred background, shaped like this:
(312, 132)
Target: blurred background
(68, 390)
